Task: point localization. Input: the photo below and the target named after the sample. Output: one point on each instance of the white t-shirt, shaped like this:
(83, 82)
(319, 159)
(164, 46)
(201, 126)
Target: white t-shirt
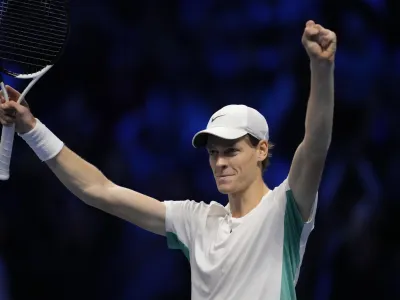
(254, 257)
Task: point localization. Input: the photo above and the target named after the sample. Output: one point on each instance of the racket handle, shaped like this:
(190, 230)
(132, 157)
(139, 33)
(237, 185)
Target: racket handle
(6, 145)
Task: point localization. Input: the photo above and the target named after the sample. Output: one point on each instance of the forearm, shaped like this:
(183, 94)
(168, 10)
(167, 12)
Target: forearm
(319, 117)
(89, 184)
(76, 174)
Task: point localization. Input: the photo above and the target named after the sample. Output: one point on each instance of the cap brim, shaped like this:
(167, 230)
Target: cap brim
(200, 138)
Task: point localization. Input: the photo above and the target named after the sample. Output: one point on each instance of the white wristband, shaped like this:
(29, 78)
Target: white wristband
(43, 142)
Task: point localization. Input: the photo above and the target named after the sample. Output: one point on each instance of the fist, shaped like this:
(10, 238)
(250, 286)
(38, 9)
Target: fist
(320, 43)
(12, 112)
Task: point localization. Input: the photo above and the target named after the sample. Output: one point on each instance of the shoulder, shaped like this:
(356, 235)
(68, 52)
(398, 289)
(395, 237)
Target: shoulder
(280, 196)
(281, 190)
(287, 202)
(192, 208)
(186, 204)
(189, 214)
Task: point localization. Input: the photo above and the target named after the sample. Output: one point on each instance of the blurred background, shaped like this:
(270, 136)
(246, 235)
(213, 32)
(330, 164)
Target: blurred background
(139, 78)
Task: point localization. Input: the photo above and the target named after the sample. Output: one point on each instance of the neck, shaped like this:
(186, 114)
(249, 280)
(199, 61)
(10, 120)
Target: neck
(243, 202)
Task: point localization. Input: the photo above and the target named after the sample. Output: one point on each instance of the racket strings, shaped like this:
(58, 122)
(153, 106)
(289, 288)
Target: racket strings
(32, 32)
(16, 19)
(53, 6)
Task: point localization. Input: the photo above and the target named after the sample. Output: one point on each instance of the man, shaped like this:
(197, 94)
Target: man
(250, 249)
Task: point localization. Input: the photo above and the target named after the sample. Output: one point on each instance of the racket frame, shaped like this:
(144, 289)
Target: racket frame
(8, 132)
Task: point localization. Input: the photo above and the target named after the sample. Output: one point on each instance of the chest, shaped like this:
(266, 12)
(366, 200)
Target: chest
(227, 248)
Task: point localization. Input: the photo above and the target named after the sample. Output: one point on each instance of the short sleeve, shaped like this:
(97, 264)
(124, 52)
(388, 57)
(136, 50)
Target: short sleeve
(181, 221)
(294, 218)
(296, 233)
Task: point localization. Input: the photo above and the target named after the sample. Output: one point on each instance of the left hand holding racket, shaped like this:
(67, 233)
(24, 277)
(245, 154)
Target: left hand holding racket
(12, 112)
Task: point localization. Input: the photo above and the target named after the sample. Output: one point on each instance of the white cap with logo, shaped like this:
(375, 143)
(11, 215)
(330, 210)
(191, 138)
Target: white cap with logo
(232, 122)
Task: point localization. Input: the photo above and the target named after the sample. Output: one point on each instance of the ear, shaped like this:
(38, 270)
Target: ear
(262, 150)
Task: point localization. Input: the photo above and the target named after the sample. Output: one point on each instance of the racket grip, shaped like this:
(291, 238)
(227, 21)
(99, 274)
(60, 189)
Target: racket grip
(6, 145)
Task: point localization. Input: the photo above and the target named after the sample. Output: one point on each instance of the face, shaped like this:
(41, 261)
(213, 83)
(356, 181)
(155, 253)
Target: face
(235, 163)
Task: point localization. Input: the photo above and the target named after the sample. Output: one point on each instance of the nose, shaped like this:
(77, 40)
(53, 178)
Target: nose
(221, 161)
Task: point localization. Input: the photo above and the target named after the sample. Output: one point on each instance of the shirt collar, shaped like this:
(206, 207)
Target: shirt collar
(217, 209)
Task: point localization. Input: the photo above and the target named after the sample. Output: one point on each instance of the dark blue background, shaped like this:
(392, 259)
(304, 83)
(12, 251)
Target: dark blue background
(139, 78)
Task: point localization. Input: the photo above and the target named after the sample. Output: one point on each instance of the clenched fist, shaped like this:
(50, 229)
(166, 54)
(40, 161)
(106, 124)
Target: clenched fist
(319, 42)
(12, 112)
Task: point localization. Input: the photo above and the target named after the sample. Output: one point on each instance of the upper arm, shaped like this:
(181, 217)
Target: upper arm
(305, 176)
(141, 210)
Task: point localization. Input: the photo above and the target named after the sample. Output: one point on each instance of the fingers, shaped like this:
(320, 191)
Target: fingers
(5, 109)
(12, 93)
(24, 103)
(310, 23)
(311, 31)
(316, 28)
(324, 31)
(2, 96)
(316, 32)
(11, 107)
(9, 110)
(8, 115)
(319, 42)
(12, 98)
(7, 120)
(325, 41)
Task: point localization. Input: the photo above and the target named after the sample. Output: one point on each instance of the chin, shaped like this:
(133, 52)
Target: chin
(226, 185)
(226, 188)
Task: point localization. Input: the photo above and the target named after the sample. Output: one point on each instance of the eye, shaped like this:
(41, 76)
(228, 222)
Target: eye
(212, 152)
(231, 151)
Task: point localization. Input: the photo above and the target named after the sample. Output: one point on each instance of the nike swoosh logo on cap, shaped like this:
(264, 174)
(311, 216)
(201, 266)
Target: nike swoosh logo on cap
(213, 119)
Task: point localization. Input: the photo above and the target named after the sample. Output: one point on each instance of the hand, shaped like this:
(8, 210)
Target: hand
(320, 43)
(13, 113)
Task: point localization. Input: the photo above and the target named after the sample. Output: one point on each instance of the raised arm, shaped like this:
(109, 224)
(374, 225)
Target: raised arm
(309, 159)
(87, 183)
(80, 177)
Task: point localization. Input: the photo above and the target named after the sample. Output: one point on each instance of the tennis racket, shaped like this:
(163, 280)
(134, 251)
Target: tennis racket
(33, 35)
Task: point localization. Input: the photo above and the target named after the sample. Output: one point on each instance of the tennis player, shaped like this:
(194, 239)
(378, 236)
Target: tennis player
(252, 248)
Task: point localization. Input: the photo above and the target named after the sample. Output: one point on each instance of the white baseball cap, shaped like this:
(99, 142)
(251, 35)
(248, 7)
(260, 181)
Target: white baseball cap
(232, 122)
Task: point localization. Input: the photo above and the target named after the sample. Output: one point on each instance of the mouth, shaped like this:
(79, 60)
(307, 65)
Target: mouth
(223, 176)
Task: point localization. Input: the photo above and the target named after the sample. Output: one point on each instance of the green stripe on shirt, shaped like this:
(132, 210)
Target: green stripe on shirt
(175, 243)
(291, 247)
